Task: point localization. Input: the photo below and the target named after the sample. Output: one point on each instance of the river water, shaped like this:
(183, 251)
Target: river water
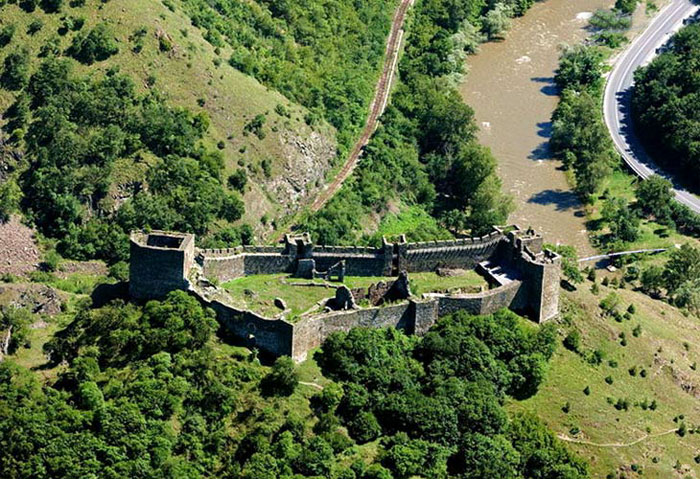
(510, 86)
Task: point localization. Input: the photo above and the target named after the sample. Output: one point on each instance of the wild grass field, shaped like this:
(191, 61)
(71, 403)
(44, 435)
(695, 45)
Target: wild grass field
(650, 358)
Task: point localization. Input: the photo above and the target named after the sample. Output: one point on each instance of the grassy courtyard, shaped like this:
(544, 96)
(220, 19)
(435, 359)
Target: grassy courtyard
(258, 292)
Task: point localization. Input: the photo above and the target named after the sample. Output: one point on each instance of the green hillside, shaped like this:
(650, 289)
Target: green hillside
(285, 149)
(631, 383)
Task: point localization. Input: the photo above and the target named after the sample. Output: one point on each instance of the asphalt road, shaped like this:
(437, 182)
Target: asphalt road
(616, 103)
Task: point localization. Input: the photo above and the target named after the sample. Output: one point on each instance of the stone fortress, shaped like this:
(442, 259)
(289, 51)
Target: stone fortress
(522, 275)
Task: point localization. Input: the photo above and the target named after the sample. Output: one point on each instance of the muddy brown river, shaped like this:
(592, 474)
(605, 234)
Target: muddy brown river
(509, 85)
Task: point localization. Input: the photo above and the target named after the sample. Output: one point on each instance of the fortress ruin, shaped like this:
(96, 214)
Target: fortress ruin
(522, 276)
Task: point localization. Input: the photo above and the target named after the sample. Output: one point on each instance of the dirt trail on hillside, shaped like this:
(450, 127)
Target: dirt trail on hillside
(381, 97)
(566, 438)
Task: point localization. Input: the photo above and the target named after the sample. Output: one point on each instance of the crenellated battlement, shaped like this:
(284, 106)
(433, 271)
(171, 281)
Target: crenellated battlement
(522, 274)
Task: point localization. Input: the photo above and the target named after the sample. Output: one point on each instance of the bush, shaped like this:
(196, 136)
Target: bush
(610, 303)
(97, 45)
(35, 26)
(51, 261)
(15, 72)
(119, 271)
(282, 379)
(6, 34)
(364, 427)
(572, 341)
(238, 180)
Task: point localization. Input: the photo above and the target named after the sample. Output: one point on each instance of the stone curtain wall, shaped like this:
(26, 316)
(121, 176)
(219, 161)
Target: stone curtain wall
(533, 288)
(310, 333)
(227, 264)
(273, 336)
(414, 317)
(279, 337)
(461, 253)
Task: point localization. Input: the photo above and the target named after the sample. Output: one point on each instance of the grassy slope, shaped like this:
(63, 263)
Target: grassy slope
(651, 235)
(187, 74)
(670, 381)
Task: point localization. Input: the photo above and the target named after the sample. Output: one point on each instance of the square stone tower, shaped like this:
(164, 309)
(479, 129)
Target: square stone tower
(160, 263)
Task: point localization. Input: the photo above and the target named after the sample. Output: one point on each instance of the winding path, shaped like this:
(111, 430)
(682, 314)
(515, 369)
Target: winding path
(381, 97)
(566, 438)
(618, 90)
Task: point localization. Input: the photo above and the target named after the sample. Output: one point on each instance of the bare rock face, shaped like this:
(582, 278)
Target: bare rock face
(343, 299)
(37, 298)
(383, 291)
(280, 304)
(19, 253)
(307, 159)
(400, 289)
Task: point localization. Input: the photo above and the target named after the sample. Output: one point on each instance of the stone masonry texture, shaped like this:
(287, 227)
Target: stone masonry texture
(525, 275)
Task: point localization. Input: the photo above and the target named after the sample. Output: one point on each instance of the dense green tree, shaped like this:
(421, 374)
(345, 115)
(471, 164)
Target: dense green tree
(9, 199)
(96, 45)
(687, 295)
(682, 266)
(497, 21)
(581, 141)
(623, 223)
(665, 104)
(626, 6)
(483, 456)
(282, 379)
(654, 196)
(15, 71)
(652, 280)
(569, 264)
(580, 67)
(541, 455)
(15, 322)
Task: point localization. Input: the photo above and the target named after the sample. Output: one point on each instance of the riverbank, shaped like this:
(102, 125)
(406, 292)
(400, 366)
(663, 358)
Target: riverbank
(510, 86)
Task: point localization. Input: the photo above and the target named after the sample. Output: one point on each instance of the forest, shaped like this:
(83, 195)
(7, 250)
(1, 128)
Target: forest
(324, 55)
(79, 132)
(666, 105)
(149, 391)
(425, 150)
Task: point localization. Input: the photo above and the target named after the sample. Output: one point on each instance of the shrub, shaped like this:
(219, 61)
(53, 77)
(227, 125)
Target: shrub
(282, 379)
(34, 26)
(6, 34)
(610, 303)
(15, 72)
(609, 379)
(572, 341)
(97, 45)
(51, 261)
(238, 180)
(364, 427)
